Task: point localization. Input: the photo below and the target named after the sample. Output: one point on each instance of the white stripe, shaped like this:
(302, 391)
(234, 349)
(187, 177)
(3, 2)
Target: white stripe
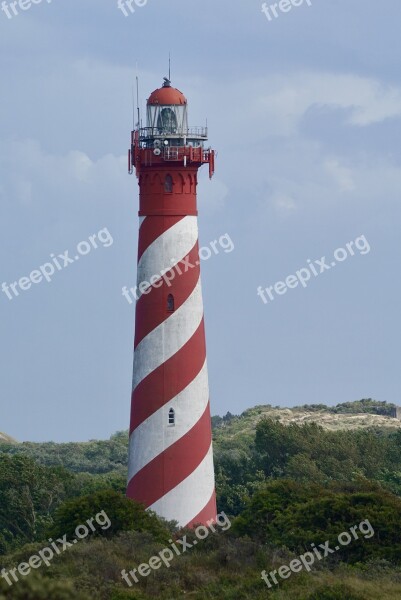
(167, 250)
(190, 496)
(141, 220)
(154, 435)
(168, 337)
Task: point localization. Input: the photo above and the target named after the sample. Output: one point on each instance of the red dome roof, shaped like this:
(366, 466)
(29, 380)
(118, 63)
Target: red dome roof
(167, 95)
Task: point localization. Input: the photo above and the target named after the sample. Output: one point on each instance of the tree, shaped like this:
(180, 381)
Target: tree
(295, 515)
(39, 588)
(124, 515)
(29, 494)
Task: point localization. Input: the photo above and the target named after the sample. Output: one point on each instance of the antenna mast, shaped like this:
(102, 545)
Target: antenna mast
(133, 108)
(137, 100)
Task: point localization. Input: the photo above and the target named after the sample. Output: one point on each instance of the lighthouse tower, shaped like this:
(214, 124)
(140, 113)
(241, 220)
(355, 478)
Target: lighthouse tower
(170, 449)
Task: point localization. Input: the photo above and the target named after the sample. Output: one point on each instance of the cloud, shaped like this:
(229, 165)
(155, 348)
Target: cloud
(341, 175)
(283, 203)
(288, 99)
(33, 175)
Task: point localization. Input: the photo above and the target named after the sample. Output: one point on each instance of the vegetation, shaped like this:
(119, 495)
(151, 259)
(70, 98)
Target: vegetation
(284, 484)
(305, 453)
(97, 457)
(295, 515)
(122, 515)
(367, 405)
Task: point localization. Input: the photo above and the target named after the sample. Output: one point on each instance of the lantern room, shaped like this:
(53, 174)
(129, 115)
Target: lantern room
(167, 139)
(167, 120)
(167, 111)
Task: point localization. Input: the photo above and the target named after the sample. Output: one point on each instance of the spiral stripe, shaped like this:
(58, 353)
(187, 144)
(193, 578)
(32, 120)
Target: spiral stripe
(189, 405)
(168, 337)
(207, 514)
(183, 457)
(156, 390)
(179, 281)
(152, 228)
(167, 249)
(188, 498)
(170, 463)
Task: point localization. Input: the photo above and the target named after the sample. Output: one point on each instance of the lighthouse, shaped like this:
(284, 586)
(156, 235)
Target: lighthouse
(170, 449)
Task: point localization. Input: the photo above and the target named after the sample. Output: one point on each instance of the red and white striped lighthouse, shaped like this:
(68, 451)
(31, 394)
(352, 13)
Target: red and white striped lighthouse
(170, 451)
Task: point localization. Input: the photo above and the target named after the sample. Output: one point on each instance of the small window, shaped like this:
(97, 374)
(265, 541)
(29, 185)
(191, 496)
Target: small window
(171, 416)
(168, 184)
(170, 303)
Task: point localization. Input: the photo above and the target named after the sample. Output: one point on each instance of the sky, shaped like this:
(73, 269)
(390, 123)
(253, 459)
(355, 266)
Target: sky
(303, 110)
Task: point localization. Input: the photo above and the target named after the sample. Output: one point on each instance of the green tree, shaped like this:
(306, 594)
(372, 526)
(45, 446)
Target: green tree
(295, 515)
(36, 587)
(29, 495)
(124, 515)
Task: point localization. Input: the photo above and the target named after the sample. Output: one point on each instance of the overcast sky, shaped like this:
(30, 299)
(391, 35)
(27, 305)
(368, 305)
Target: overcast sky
(304, 111)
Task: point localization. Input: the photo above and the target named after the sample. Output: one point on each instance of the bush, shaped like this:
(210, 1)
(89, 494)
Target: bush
(123, 514)
(39, 588)
(336, 592)
(295, 515)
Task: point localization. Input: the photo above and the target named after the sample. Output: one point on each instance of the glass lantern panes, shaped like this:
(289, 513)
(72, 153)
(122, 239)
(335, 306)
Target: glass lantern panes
(168, 120)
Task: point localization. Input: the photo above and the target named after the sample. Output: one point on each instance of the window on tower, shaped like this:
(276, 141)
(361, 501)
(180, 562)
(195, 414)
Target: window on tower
(168, 184)
(171, 416)
(170, 303)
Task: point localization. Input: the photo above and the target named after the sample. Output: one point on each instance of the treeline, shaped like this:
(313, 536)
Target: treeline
(106, 456)
(95, 456)
(289, 487)
(308, 454)
(279, 523)
(30, 494)
(364, 406)
(368, 406)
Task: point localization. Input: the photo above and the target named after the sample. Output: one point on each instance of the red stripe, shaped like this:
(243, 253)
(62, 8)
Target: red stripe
(208, 513)
(151, 308)
(168, 380)
(152, 228)
(172, 466)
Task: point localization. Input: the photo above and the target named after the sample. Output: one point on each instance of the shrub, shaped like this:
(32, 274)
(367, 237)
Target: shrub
(124, 515)
(336, 592)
